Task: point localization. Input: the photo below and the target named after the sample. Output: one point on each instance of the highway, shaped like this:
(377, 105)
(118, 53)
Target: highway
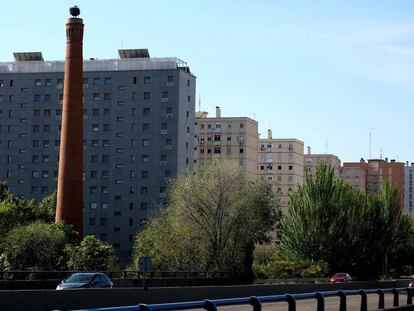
(331, 304)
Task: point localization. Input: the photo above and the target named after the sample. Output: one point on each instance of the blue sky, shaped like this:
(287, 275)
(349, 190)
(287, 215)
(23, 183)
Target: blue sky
(313, 70)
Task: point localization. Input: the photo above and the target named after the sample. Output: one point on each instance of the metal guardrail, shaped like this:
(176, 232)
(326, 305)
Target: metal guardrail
(257, 301)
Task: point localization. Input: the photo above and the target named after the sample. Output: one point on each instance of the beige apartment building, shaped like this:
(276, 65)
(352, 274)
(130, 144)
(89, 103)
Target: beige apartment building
(280, 161)
(312, 162)
(226, 137)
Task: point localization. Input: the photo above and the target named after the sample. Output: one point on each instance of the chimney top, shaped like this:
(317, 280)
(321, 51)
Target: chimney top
(218, 112)
(74, 11)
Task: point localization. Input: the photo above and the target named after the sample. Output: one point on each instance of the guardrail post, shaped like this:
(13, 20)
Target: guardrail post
(364, 300)
(409, 296)
(291, 302)
(342, 301)
(209, 305)
(381, 302)
(257, 305)
(143, 307)
(396, 302)
(321, 302)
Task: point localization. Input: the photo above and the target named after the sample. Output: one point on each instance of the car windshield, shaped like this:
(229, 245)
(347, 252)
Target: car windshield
(340, 275)
(79, 278)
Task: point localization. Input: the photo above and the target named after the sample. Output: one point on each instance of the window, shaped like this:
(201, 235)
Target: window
(188, 82)
(146, 111)
(144, 206)
(48, 82)
(107, 112)
(163, 157)
(46, 143)
(94, 158)
(48, 97)
(95, 127)
(144, 158)
(145, 126)
(36, 113)
(169, 110)
(168, 141)
(105, 158)
(35, 144)
(106, 127)
(217, 149)
(104, 205)
(144, 190)
(167, 173)
(241, 125)
(23, 89)
(93, 205)
(164, 126)
(46, 128)
(38, 82)
(105, 143)
(37, 97)
(147, 95)
(108, 81)
(94, 143)
(96, 96)
(95, 112)
(290, 167)
(94, 174)
(85, 82)
(96, 81)
(144, 174)
(217, 138)
(35, 174)
(147, 80)
(241, 150)
(164, 94)
(279, 167)
(45, 159)
(290, 178)
(107, 96)
(145, 142)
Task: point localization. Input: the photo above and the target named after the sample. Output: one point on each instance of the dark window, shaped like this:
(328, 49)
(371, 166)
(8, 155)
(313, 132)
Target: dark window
(107, 96)
(147, 80)
(146, 111)
(108, 81)
(147, 95)
(96, 81)
(170, 79)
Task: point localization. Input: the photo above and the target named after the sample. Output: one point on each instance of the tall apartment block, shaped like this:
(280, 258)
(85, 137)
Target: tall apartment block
(280, 161)
(138, 132)
(226, 137)
(369, 175)
(313, 160)
(408, 188)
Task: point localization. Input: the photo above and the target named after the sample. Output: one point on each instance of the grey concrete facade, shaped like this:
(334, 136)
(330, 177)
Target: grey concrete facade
(138, 133)
(408, 188)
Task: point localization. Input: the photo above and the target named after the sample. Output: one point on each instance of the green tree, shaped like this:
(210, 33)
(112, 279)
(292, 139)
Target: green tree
(212, 222)
(90, 254)
(350, 230)
(37, 246)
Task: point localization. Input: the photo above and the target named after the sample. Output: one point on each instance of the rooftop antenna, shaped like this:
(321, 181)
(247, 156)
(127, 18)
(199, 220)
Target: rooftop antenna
(381, 152)
(199, 102)
(370, 140)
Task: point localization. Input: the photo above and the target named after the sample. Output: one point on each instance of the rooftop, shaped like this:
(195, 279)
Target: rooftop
(32, 62)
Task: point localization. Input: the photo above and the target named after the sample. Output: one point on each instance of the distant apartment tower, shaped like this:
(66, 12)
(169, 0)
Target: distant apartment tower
(370, 175)
(408, 188)
(312, 162)
(226, 138)
(138, 133)
(280, 162)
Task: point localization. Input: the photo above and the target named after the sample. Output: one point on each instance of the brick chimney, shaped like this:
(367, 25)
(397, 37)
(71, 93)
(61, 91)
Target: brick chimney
(70, 182)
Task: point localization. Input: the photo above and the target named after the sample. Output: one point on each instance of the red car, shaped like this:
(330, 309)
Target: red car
(340, 277)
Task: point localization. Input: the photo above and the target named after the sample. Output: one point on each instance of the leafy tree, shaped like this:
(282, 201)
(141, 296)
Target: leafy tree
(212, 222)
(90, 254)
(350, 230)
(37, 246)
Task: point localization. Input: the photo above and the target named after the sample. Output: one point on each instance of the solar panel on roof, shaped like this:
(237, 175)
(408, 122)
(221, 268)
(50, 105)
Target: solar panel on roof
(134, 53)
(28, 56)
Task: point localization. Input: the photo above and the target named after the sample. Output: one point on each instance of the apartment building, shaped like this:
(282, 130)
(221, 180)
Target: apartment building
(369, 175)
(226, 137)
(312, 162)
(138, 133)
(408, 188)
(280, 161)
